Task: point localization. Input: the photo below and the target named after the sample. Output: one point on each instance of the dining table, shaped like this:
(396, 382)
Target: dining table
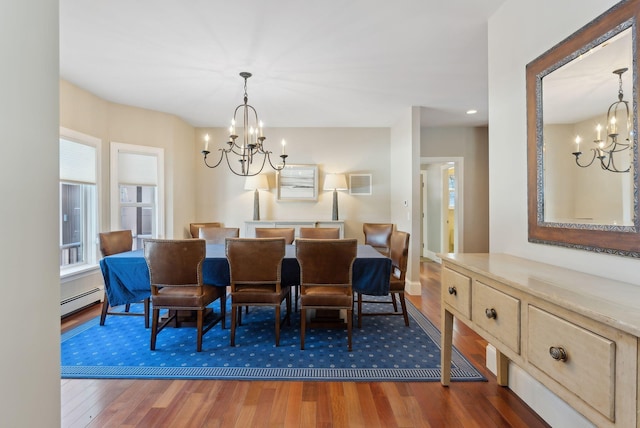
(126, 275)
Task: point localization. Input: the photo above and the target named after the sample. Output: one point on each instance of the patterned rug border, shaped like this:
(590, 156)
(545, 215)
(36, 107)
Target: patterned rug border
(462, 369)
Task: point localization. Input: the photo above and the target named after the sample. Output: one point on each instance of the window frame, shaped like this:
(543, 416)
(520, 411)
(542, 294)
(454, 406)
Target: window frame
(114, 186)
(91, 226)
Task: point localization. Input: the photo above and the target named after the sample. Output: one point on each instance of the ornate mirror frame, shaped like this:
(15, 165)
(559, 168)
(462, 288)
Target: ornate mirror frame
(619, 240)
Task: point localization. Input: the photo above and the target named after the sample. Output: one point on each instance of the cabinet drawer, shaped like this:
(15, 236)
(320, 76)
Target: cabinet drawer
(589, 368)
(498, 314)
(456, 291)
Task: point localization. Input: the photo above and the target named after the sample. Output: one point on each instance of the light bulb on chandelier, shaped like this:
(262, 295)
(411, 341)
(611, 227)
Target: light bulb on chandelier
(250, 151)
(606, 150)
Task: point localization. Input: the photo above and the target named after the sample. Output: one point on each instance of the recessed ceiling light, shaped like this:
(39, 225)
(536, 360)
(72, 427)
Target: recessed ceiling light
(472, 111)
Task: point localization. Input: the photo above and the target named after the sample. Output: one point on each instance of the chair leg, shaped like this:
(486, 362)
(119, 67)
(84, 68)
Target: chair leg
(359, 310)
(199, 326)
(277, 325)
(394, 302)
(303, 325)
(297, 294)
(127, 307)
(403, 303)
(223, 310)
(349, 325)
(146, 313)
(234, 309)
(105, 309)
(289, 309)
(154, 327)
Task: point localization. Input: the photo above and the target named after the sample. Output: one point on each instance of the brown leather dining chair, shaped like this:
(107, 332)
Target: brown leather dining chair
(288, 233)
(326, 278)
(118, 241)
(399, 255)
(255, 267)
(320, 232)
(193, 227)
(217, 235)
(378, 236)
(175, 273)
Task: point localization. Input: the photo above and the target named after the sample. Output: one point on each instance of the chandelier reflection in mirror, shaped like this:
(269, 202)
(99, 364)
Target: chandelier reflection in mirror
(250, 151)
(618, 125)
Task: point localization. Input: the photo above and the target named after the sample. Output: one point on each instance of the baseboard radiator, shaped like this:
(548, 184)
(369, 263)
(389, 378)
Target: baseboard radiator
(81, 300)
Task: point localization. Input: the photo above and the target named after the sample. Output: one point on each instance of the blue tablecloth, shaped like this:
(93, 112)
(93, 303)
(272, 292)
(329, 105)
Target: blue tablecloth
(126, 275)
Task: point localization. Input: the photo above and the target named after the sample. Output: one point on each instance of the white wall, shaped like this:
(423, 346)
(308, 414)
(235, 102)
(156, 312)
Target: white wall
(30, 362)
(404, 164)
(518, 33)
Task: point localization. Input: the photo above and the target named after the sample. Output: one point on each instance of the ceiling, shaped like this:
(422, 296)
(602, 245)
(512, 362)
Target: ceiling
(332, 63)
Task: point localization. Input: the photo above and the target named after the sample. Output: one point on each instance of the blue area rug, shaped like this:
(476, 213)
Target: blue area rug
(383, 350)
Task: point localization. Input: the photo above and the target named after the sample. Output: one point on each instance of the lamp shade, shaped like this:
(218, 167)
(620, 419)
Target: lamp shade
(335, 182)
(256, 182)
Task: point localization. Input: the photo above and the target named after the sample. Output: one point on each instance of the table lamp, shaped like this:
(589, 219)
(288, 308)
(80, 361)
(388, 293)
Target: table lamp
(255, 183)
(335, 182)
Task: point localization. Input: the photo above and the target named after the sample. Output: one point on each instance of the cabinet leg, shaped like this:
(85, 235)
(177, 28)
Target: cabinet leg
(502, 369)
(445, 347)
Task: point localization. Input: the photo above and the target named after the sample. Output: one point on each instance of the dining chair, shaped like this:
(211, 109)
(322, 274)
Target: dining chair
(217, 235)
(320, 232)
(378, 235)
(255, 267)
(193, 227)
(399, 255)
(288, 233)
(175, 273)
(118, 241)
(326, 278)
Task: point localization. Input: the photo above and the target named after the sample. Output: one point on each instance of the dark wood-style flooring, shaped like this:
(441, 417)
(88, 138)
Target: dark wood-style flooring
(211, 403)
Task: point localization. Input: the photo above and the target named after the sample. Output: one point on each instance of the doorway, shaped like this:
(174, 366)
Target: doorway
(442, 213)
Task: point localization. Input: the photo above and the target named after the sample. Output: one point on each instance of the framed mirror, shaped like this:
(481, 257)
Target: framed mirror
(582, 153)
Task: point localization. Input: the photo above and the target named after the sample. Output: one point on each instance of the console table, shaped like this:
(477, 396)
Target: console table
(575, 333)
(250, 226)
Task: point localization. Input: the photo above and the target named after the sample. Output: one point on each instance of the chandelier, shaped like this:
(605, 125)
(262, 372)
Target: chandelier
(250, 151)
(607, 150)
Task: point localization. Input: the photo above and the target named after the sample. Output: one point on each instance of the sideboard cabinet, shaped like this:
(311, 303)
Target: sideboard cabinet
(575, 333)
(250, 226)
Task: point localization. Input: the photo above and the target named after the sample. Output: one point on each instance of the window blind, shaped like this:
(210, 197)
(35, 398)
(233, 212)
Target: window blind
(77, 162)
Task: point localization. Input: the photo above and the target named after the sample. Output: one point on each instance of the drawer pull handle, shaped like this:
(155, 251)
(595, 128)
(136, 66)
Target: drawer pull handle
(453, 291)
(558, 353)
(491, 313)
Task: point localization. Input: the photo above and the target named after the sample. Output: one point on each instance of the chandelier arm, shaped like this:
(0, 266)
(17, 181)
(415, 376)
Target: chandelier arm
(206, 152)
(277, 168)
(577, 155)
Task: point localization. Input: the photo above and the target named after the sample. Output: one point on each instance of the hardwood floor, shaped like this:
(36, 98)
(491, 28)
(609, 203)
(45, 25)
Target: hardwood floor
(210, 403)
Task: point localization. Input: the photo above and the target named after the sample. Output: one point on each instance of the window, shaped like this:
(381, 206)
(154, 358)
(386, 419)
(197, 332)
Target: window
(137, 211)
(136, 191)
(78, 201)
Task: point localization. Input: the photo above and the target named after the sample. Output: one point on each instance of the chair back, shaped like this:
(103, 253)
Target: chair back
(257, 261)
(217, 235)
(399, 254)
(115, 242)
(193, 227)
(174, 262)
(320, 232)
(326, 261)
(288, 233)
(378, 236)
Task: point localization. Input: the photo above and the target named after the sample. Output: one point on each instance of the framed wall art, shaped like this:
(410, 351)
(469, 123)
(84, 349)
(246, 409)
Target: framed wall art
(360, 184)
(297, 183)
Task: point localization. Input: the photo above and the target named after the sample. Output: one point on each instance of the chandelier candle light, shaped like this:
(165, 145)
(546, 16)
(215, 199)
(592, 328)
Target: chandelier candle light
(250, 151)
(606, 149)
